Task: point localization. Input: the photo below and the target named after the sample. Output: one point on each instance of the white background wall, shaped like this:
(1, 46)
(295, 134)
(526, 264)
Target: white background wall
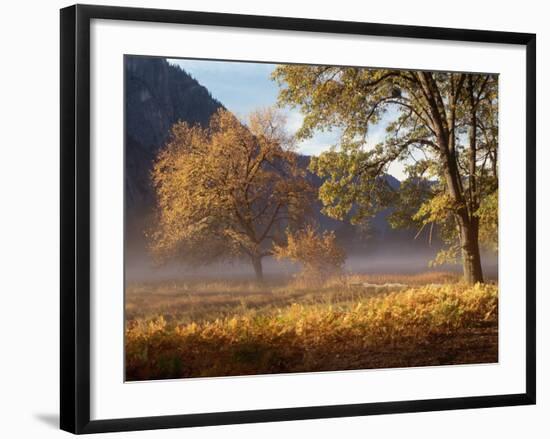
(29, 200)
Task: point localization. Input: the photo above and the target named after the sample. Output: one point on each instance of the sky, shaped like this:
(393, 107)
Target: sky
(243, 87)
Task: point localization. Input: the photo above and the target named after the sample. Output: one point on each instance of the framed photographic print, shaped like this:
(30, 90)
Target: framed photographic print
(267, 218)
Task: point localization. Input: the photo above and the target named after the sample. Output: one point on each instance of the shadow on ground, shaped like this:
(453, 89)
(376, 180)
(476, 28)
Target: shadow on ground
(49, 419)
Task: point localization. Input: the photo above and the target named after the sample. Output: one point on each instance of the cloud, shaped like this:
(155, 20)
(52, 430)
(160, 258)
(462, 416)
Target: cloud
(294, 119)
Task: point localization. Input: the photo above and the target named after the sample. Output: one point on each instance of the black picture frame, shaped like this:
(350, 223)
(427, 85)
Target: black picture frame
(75, 217)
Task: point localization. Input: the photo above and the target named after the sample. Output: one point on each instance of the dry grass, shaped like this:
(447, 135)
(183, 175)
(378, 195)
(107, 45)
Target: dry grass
(220, 329)
(199, 299)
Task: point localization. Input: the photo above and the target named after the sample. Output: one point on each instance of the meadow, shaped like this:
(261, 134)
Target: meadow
(205, 328)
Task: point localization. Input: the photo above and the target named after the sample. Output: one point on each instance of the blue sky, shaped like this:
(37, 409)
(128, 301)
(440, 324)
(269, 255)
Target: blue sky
(243, 87)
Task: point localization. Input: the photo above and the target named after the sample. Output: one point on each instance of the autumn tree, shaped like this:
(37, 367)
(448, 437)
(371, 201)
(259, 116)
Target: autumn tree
(228, 190)
(318, 253)
(442, 126)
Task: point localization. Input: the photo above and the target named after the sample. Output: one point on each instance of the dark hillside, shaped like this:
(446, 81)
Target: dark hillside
(157, 95)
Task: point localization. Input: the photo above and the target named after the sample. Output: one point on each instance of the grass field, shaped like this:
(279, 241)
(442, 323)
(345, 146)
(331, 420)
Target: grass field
(204, 328)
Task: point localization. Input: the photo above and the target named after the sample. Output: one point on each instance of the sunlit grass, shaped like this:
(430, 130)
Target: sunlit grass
(231, 329)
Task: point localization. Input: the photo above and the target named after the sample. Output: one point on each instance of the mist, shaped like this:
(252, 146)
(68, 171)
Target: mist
(396, 260)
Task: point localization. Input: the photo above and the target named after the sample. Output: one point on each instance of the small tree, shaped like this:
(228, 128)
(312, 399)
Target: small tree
(228, 190)
(318, 254)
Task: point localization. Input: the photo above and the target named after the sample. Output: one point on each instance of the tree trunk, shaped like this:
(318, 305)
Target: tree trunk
(471, 259)
(258, 269)
(468, 227)
(444, 129)
(469, 233)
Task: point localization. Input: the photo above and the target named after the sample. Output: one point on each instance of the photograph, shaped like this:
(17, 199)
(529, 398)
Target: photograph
(285, 218)
(275, 220)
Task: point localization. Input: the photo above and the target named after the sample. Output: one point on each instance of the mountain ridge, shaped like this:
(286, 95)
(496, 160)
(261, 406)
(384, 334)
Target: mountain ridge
(157, 95)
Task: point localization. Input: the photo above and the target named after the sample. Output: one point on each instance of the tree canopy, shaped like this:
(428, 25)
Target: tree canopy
(442, 126)
(228, 190)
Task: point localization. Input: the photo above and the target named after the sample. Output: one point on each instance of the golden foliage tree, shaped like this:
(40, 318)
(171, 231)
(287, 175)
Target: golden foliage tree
(228, 190)
(318, 254)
